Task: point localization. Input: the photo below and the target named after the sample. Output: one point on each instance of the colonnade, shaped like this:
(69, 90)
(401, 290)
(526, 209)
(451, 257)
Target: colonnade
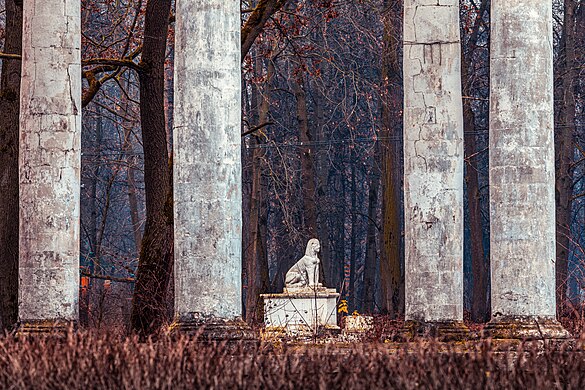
(207, 166)
(521, 168)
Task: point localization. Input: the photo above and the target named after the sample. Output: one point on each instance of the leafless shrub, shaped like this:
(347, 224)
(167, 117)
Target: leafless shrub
(112, 361)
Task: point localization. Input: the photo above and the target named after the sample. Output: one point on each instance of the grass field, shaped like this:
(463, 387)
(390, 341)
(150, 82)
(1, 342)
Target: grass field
(108, 360)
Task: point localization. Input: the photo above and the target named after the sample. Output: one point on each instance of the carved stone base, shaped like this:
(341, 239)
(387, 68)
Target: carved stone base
(441, 331)
(527, 328)
(210, 329)
(57, 328)
(301, 310)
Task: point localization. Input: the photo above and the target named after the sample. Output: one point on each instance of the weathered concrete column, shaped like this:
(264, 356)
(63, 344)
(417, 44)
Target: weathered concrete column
(207, 165)
(522, 171)
(49, 164)
(433, 165)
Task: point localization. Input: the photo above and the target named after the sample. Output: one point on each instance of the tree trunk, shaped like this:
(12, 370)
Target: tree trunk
(131, 162)
(90, 185)
(307, 168)
(255, 23)
(391, 282)
(352, 295)
(565, 147)
(9, 124)
(258, 280)
(322, 196)
(133, 204)
(250, 106)
(155, 263)
(338, 267)
(480, 304)
(369, 291)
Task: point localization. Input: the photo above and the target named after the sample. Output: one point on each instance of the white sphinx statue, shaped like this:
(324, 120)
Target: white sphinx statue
(304, 305)
(305, 273)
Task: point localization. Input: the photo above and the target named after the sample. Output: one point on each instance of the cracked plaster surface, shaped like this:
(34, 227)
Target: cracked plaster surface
(49, 160)
(207, 167)
(522, 198)
(433, 157)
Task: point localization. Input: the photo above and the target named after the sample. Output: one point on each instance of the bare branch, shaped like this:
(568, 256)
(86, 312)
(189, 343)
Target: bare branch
(255, 23)
(8, 56)
(113, 62)
(107, 277)
(254, 129)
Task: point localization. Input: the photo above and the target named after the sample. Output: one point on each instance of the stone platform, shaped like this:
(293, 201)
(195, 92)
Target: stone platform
(58, 328)
(525, 328)
(213, 329)
(304, 310)
(444, 331)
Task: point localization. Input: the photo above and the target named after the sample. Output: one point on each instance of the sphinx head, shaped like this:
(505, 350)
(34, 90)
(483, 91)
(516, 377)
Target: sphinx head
(313, 247)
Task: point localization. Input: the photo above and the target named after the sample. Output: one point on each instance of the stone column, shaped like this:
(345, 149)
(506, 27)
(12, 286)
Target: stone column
(49, 164)
(433, 165)
(207, 164)
(522, 171)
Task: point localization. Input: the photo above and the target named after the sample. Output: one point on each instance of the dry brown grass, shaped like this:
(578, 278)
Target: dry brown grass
(87, 360)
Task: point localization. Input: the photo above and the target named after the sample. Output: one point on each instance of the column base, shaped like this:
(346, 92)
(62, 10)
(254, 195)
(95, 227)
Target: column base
(525, 328)
(440, 330)
(210, 329)
(45, 328)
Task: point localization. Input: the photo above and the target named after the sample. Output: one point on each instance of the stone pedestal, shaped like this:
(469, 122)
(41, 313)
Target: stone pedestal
(440, 330)
(356, 327)
(525, 327)
(301, 311)
(209, 329)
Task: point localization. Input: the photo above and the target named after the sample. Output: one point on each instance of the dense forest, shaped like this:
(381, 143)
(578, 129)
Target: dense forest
(322, 110)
